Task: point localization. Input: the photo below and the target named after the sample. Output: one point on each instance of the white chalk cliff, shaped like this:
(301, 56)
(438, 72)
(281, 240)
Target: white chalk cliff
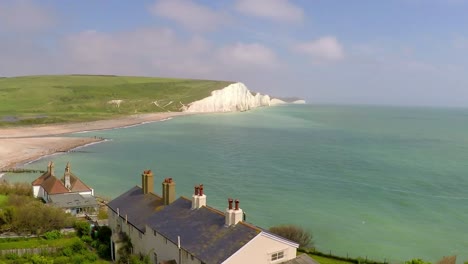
(235, 97)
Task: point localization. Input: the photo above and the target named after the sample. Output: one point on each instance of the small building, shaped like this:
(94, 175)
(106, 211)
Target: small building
(68, 192)
(187, 230)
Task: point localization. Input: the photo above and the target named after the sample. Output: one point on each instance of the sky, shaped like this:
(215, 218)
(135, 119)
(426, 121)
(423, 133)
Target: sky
(394, 52)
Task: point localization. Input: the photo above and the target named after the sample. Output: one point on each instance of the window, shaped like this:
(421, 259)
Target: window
(155, 258)
(277, 255)
(154, 232)
(166, 240)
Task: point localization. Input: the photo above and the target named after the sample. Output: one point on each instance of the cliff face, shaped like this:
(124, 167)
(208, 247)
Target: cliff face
(235, 97)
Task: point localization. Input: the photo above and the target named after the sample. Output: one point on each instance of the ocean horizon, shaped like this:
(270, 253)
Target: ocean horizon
(383, 182)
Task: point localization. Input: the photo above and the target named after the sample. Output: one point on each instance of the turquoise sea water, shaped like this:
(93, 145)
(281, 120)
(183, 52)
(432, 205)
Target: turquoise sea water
(383, 182)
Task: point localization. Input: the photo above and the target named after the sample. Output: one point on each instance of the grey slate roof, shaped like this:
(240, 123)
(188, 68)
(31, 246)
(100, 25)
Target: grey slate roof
(72, 200)
(202, 231)
(137, 206)
(301, 259)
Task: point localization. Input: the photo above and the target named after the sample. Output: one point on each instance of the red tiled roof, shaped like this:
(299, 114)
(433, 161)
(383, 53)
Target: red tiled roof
(41, 179)
(77, 185)
(52, 185)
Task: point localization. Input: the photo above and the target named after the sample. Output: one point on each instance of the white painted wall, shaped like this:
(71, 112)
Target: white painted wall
(165, 249)
(259, 251)
(36, 191)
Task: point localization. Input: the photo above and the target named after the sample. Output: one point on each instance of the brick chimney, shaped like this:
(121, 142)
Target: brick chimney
(233, 215)
(228, 214)
(198, 198)
(238, 214)
(168, 191)
(66, 176)
(147, 182)
(50, 168)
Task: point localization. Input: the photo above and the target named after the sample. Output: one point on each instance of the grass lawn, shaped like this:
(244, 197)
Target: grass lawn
(325, 260)
(76, 98)
(3, 200)
(37, 243)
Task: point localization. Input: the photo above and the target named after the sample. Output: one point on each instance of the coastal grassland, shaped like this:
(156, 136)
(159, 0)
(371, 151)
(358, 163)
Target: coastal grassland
(77, 98)
(6, 243)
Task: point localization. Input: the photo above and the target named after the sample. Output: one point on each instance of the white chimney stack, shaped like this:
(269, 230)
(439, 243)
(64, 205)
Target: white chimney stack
(233, 215)
(198, 198)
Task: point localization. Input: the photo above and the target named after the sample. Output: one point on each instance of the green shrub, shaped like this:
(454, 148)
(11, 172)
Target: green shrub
(82, 228)
(78, 246)
(51, 235)
(78, 259)
(104, 234)
(11, 256)
(38, 259)
(416, 261)
(104, 251)
(61, 260)
(68, 252)
(87, 239)
(294, 233)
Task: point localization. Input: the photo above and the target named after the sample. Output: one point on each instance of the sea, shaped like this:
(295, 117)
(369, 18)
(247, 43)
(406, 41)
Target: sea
(383, 183)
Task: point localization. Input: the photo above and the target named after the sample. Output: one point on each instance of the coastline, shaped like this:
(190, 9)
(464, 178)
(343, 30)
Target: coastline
(21, 145)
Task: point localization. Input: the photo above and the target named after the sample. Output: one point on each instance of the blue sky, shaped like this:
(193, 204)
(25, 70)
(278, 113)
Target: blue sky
(398, 52)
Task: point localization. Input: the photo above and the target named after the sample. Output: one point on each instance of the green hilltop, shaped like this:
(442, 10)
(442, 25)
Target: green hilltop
(77, 98)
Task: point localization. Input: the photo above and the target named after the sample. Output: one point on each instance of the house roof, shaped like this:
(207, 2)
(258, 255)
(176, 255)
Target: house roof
(301, 259)
(76, 184)
(41, 179)
(72, 200)
(137, 206)
(202, 231)
(52, 185)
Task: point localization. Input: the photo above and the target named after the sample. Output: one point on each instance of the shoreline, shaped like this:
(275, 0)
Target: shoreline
(23, 145)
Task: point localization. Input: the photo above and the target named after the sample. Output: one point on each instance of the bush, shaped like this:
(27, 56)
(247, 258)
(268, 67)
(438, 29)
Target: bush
(104, 234)
(294, 233)
(78, 246)
(82, 228)
(104, 251)
(67, 252)
(87, 239)
(416, 261)
(61, 260)
(51, 235)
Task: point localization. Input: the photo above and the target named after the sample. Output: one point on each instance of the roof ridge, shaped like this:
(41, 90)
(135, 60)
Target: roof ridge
(214, 210)
(251, 226)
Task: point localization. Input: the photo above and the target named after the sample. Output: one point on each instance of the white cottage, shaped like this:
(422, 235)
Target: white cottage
(69, 192)
(186, 230)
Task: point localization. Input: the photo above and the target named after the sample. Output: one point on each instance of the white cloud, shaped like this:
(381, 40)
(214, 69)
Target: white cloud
(24, 16)
(324, 48)
(190, 15)
(281, 10)
(150, 51)
(247, 55)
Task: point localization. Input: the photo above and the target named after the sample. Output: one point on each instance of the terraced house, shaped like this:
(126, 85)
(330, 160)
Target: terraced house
(68, 192)
(184, 230)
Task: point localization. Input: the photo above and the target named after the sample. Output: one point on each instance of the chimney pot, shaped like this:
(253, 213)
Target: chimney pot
(196, 190)
(201, 190)
(237, 205)
(230, 203)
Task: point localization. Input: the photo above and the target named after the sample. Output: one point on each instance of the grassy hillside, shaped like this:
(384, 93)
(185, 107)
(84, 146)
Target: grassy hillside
(73, 98)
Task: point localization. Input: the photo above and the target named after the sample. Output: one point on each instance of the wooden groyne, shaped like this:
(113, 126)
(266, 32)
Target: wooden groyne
(20, 170)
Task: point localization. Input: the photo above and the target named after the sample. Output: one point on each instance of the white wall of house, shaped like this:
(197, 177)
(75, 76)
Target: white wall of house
(36, 191)
(165, 249)
(261, 249)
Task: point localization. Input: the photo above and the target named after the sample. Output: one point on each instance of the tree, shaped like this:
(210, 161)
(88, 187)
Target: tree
(416, 261)
(82, 228)
(294, 233)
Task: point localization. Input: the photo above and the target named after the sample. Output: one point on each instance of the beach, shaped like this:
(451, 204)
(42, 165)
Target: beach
(19, 145)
